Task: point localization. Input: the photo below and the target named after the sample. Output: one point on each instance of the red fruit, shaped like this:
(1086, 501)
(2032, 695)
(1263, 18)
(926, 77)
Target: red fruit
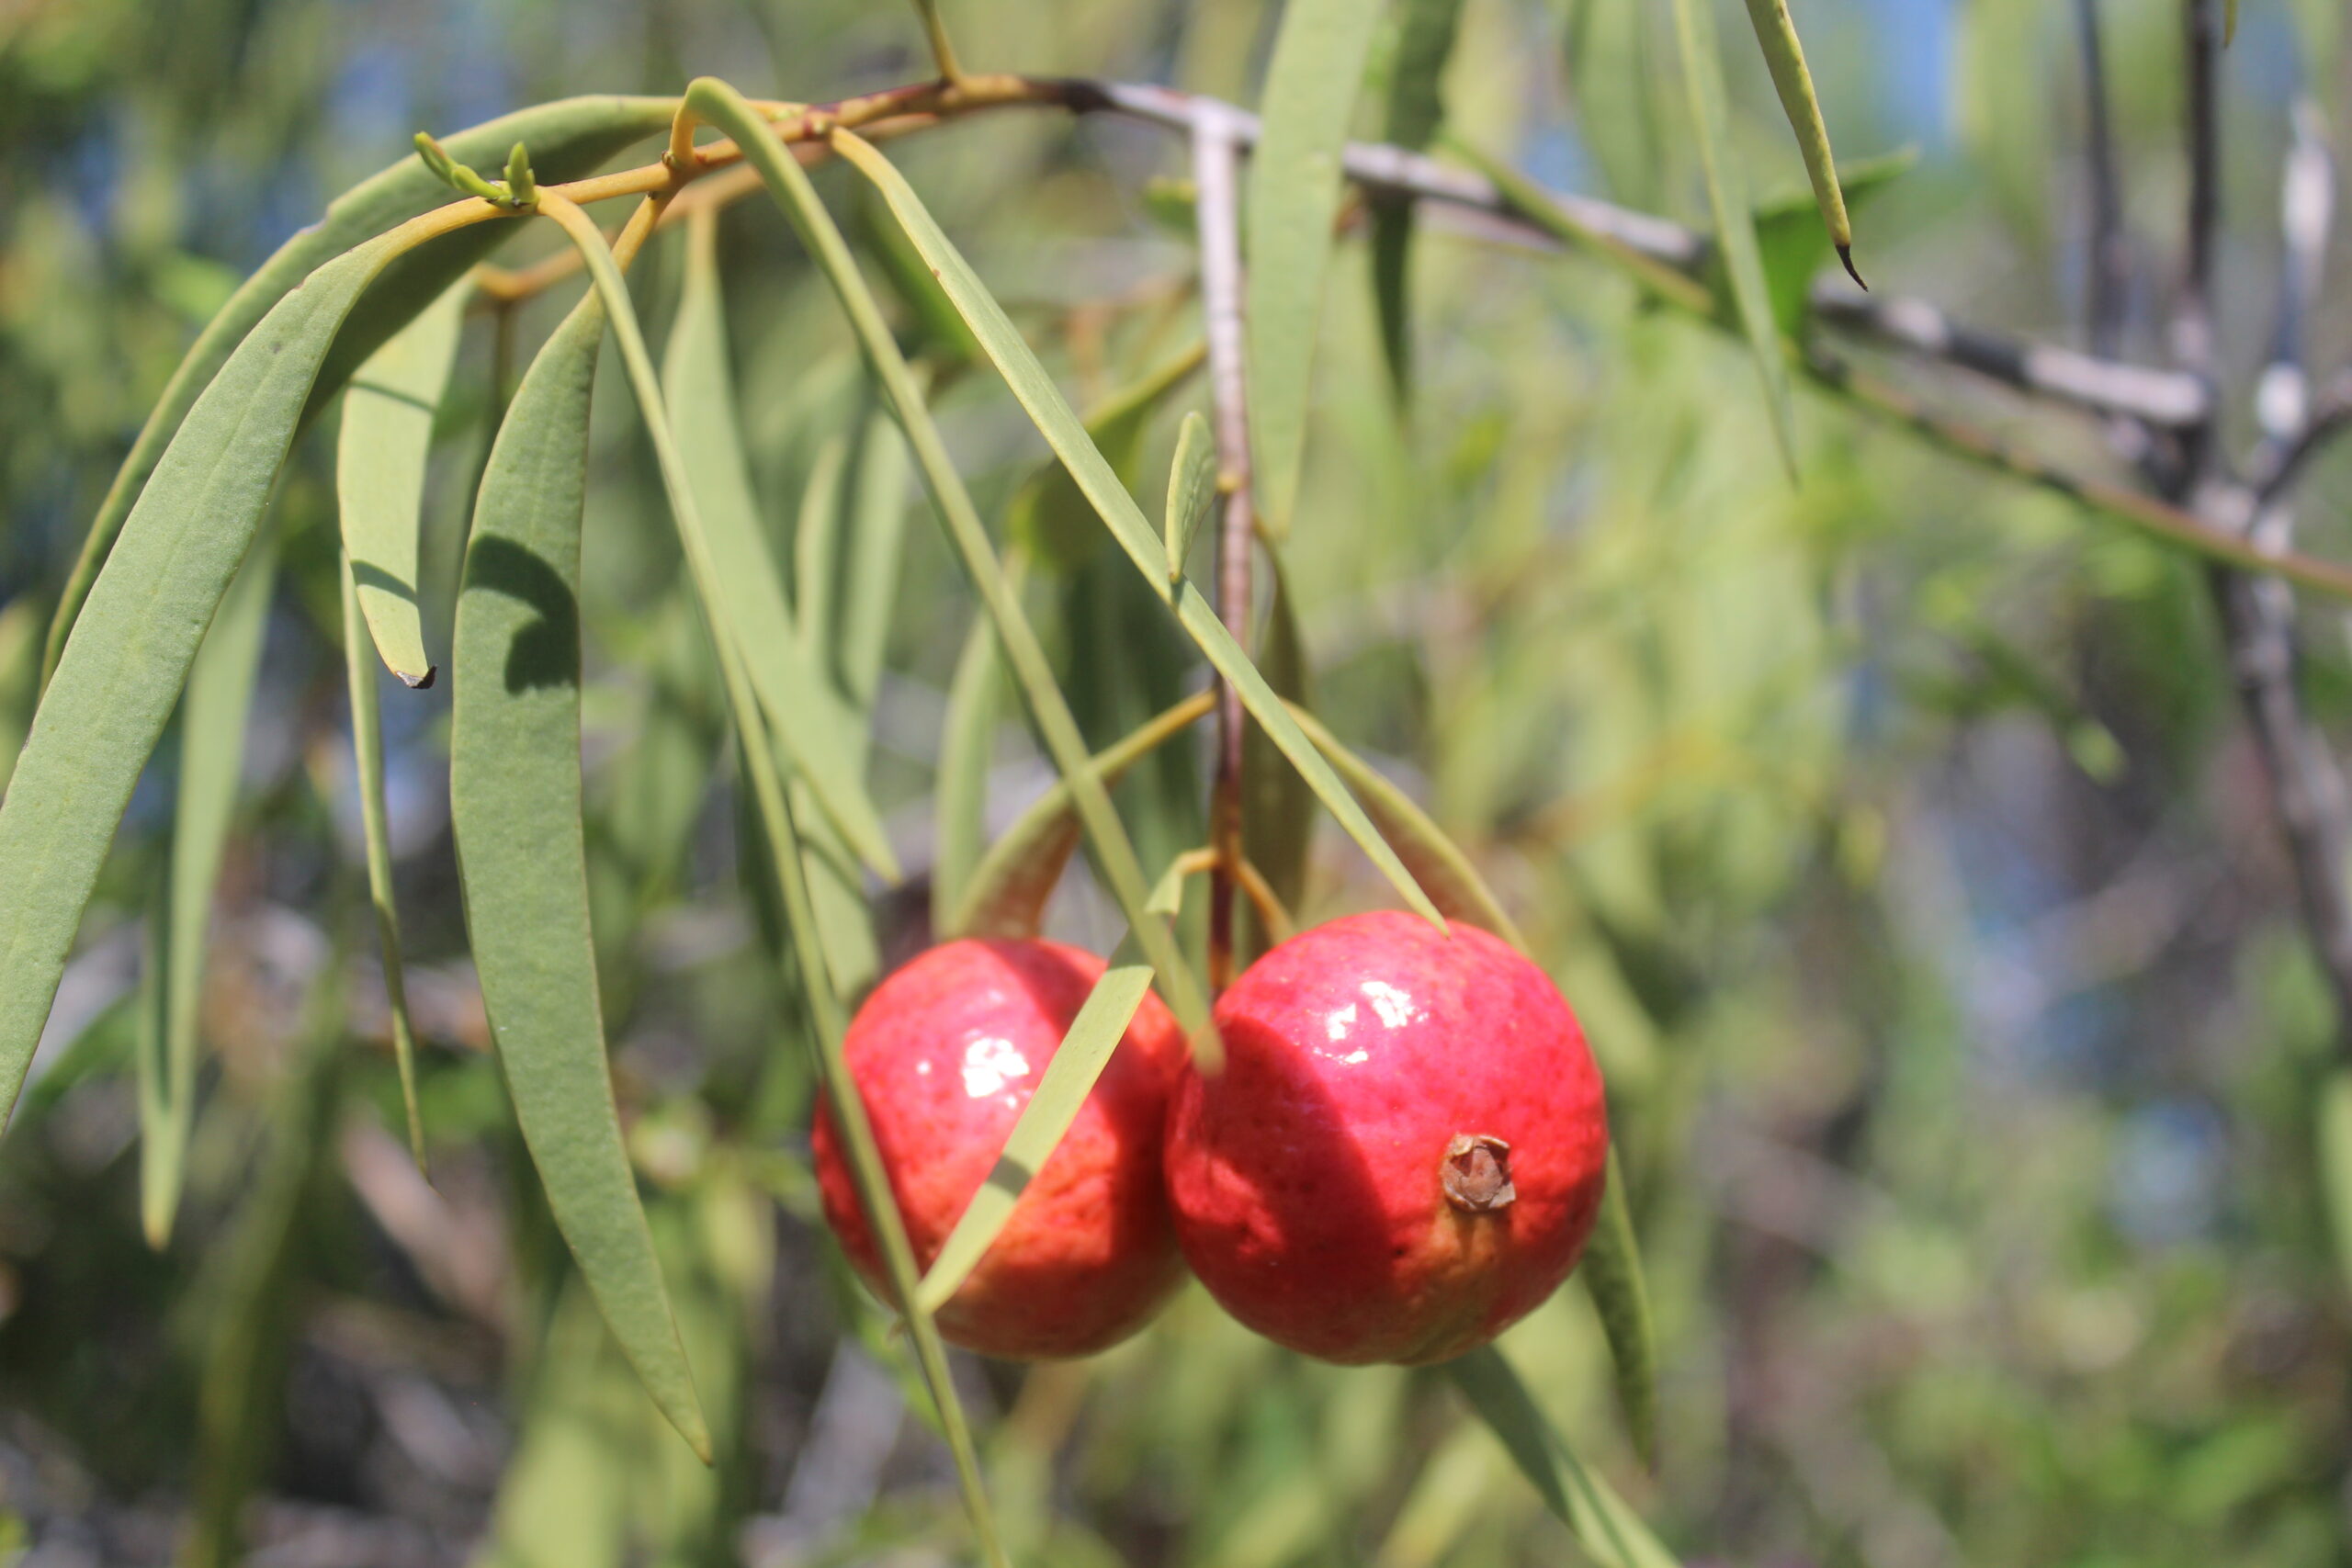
(1402, 1156)
(945, 1053)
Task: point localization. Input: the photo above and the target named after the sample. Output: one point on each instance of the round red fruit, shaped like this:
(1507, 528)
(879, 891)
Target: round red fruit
(945, 1053)
(1404, 1154)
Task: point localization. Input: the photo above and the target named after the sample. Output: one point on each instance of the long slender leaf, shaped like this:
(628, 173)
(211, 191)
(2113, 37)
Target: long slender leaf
(776, 817)
(817, 548)
(1036, 392)
(789, 184)
(2334, 1147)
(515, 801)
(379, 477)
(1068, 1080)
(1311, 86)
(212, 755)
(1603, 1522)
(22, 625)
(876, 549)
(1776, 34)
(1612, 1271)
(1528, 200)
(568, 139)
(967, 749)
(1277, 808)
(367, 757)
(807, 712)
(1191, 490)
(1703, 81)
(1415, 109)
(1049, 514)
(1006, 894)
(131, 647)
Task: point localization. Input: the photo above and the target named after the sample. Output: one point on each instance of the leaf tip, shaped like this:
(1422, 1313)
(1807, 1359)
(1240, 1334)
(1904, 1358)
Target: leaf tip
(418, 683)
(1846, 257)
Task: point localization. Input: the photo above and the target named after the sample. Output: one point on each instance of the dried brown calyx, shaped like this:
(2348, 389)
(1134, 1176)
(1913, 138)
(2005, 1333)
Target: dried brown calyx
(1476, 1173)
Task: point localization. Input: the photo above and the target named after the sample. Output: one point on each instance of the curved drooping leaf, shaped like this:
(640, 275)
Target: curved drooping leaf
(1123, 872)
(22, 625)
(379, 477)
(1311, 86)
(807, 714)
(875, 549)
(774, 813)
(1068, 1080)
(1191, 490)
(1702, 82)
(1612, 1266)
(817, 548)
(1048, 516)
(568, 139)
(1277, 808)
(1415, 109)
(212, 756)
(1006, 894)
(1776, 33)
(1612, 1271)
(1603, 1522)
(514, 805)
(112, 692)
(1793, 244)
(967, 750)
(1437, 863)
(1036, 393)
(375, 826)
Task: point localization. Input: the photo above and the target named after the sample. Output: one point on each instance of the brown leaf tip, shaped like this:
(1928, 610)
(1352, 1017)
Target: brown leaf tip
(1476, 1174)
(1845, 255)
(417, 682)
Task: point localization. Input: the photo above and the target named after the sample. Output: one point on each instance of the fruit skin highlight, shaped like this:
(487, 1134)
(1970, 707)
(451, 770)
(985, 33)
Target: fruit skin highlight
(946, 1052)
(1405, 1152)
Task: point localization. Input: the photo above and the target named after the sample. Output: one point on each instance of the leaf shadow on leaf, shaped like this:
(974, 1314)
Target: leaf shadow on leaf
(370, 575)
(546, 652)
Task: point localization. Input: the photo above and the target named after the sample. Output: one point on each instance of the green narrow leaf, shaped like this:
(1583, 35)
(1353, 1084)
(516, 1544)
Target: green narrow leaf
(1006, 894)
(809, 717)
(1036, 392)
(212, 756)
(247, 1286)
(1311, 86)
(817, 548)
(131, 647)
(1776, 33)
(21, 628)
(1191, 490)
(876, 545)
(515, 803)
(789, 182)
(1793, 244)
(367, 758)
(1530, 202)
(1614, 81)
(379, 477)
(967, 750)
(572, 135)
(1068, 1080)
(1702, 80)
(1612, 1271)
(1437, 863)
(2336, 1164)
(1049, 517)
(1416, 108)
(2229, 23)
(1603, 1525)
(1168, 893)
(775, 813)
(1277, 808)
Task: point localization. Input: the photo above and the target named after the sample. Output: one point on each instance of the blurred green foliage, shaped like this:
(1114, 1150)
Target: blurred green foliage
(1894, 835)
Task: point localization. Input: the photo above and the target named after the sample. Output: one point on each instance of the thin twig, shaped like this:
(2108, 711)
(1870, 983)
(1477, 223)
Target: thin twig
(1217, 205)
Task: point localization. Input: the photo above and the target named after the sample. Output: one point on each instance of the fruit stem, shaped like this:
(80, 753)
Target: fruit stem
(1217, 210)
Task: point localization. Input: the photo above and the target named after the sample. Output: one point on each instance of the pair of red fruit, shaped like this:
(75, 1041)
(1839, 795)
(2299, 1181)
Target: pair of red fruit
(1402, 1156)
